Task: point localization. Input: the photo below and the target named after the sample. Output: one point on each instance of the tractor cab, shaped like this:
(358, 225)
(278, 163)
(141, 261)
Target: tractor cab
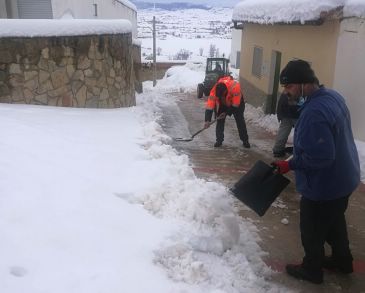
(215, 69)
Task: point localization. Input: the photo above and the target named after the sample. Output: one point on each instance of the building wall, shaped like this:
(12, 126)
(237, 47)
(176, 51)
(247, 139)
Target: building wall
(3, 12)
(235, 46)
(106, 9)
(73, 71)
(316, 44)
(8, 9)
(350, 71)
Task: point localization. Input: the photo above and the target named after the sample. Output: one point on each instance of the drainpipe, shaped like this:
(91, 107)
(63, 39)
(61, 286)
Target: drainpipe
(154, 50)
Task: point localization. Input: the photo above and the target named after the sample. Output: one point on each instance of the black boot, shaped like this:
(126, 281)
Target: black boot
(299, 272)
(218, 144)
(331, 264)
(246, 144)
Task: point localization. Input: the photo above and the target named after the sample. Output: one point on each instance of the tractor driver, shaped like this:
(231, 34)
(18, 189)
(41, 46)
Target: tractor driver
(218, 67)
(224, 99)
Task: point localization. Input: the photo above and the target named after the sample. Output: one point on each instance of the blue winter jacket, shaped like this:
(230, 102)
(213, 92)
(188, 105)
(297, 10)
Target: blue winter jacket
(325, 160)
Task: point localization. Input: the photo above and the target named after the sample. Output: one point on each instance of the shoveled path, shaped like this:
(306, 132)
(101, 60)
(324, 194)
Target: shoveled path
(228, 163)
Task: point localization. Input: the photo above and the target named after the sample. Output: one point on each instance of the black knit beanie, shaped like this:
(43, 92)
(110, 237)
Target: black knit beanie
(297, 71)
(220, 90)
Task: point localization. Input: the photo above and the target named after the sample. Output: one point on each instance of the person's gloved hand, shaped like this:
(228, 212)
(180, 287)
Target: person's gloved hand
(282, 166)
(230, 111)
(222, 116)
(207, 124)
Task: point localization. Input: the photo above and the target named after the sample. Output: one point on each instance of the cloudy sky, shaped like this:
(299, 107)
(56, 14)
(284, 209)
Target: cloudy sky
(225, 3)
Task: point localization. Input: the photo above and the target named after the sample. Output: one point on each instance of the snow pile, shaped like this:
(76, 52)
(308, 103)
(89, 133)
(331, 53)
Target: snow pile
(62, 27)
(182, 78)
(214, 247)
(258, 117)
(62, 225)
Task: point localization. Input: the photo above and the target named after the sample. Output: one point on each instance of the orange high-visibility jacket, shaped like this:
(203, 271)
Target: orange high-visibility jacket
(233, 98)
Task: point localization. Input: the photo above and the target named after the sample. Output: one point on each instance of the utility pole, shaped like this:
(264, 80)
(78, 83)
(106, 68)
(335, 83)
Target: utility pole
(154, 50)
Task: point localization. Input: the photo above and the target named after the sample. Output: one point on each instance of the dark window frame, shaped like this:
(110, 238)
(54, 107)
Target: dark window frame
(257, 60)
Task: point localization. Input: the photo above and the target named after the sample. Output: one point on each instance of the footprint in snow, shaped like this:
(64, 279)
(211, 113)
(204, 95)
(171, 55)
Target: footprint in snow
(18, 271)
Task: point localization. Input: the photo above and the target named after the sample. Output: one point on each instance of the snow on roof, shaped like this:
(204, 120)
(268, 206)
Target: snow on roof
(128, 4)
(62, 27)
(355, 8)
(288, 11)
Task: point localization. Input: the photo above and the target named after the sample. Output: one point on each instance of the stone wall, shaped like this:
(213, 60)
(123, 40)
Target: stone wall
(72, 71)
(137, 66)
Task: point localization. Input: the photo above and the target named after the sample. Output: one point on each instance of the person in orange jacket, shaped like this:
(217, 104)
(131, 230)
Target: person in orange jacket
(224, 99)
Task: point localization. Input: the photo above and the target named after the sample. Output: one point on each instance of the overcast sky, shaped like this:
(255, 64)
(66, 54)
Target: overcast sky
(225, 3)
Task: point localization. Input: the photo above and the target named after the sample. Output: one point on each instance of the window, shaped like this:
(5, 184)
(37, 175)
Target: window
(257, 61)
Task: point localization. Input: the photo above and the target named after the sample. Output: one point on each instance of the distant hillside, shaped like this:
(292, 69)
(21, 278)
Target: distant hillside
(169, 6)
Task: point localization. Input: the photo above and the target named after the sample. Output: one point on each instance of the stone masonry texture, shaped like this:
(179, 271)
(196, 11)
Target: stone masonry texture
(70, 71)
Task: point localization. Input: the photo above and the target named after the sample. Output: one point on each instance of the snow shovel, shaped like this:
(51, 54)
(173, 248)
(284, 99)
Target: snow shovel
(195, 134)
(259, 187)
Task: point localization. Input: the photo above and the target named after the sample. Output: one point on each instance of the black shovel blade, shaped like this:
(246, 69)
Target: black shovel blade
(259, 187)
(183, 139)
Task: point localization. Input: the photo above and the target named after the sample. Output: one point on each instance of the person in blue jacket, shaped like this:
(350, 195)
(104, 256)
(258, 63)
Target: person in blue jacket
(327, 171)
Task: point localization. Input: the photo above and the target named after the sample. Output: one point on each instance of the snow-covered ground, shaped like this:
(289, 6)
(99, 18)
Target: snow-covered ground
(219, 3)
(97, 200)
(196, 31)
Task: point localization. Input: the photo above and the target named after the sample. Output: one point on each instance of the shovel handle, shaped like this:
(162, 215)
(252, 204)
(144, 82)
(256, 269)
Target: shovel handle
(196, 133)
(289, 158)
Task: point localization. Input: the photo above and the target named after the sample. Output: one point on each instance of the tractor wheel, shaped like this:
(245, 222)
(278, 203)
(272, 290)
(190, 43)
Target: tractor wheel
(200, 91)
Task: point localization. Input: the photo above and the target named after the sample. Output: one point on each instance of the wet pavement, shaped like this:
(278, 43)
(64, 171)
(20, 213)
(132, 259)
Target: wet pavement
(228, 163)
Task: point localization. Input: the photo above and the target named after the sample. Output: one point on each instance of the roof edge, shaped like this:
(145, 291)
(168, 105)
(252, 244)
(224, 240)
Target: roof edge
(332, 14)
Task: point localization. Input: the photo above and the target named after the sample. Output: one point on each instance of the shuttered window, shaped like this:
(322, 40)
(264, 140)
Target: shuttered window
(257, 61)
(35, 9)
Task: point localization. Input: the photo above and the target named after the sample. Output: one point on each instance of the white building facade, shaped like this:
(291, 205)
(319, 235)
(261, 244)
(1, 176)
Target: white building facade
(350, 71)
(235, 57)
(88, 9)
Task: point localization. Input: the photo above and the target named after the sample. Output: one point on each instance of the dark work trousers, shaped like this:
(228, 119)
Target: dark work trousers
(240, 122)
(320, 222)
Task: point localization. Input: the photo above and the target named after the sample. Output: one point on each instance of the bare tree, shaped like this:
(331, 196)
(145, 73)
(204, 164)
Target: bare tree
(183, 54)
(212, 49)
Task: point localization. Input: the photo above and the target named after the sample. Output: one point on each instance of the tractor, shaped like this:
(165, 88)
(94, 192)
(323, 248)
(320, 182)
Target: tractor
(215, 69)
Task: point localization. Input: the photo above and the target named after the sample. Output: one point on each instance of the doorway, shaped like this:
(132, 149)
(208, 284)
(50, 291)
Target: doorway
(273, 82)
(238, 59)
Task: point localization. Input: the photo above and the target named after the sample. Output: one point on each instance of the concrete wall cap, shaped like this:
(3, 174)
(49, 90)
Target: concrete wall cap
(63, 27)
